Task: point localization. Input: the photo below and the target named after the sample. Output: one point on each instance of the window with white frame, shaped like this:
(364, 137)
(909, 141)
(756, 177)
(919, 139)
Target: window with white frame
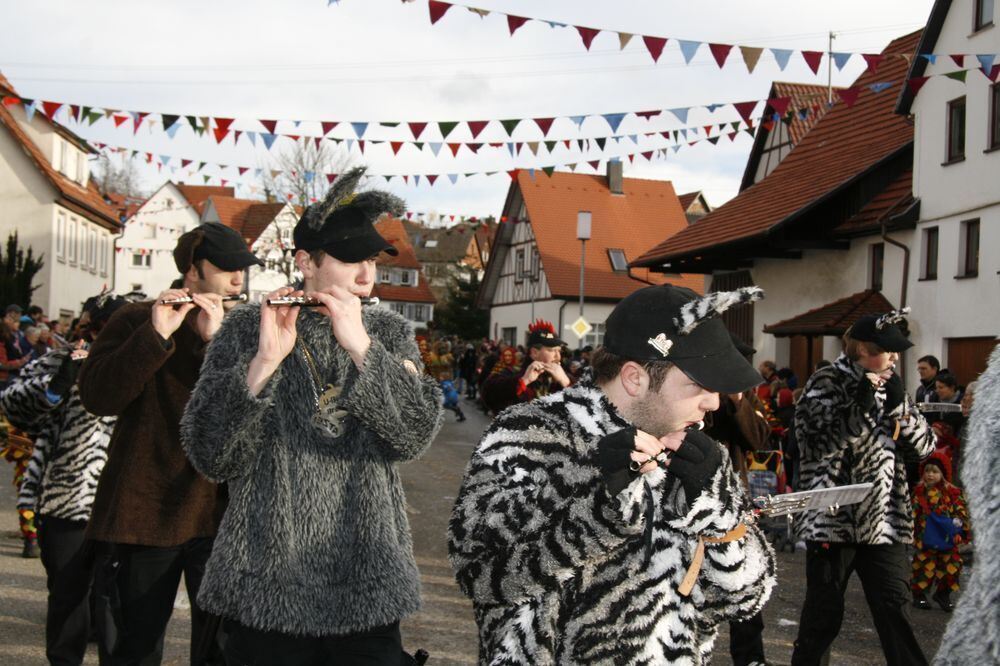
(105, 251)
(61, 236)
(384, 276)
(92, 250)
(141, 260)
(519, 259)
(596, 336)
(405, 277)
(984, 14)
(71, 240)
(81, 170)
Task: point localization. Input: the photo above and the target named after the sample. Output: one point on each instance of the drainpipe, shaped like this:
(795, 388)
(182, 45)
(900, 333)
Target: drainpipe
(901, 246)
(560, 329)
(628, 272)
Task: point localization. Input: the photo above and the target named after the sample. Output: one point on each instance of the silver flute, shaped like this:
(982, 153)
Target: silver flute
(283, 301)
(242, 298)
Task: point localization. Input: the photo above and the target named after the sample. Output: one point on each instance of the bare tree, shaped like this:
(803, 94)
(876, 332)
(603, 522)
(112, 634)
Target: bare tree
(118, 175)
(301, 170)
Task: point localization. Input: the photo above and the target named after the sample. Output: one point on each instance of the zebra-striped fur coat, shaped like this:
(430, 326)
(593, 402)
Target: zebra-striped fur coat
(841, 444)
(71, 444)
(561, 572)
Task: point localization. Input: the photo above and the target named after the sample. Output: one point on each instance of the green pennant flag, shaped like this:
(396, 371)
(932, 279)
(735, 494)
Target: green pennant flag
(735, 125)
(94, 116)
(579, 144)
(387, 178)
(510, 125)
(714, 140)
(958, 76)
(168, 120)
(419, 145)
(550, 145)
(193, 122)
(470, 174)
(600, 142)
(446, 127)
(548, 170)
(207, 178)
(389, 124)
(201, 165)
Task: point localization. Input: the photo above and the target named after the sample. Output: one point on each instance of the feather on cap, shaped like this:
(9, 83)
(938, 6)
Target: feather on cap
(343, 192)
(893, 317)
(712, 305)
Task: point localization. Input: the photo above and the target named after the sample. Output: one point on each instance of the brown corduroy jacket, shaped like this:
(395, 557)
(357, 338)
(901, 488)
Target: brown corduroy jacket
(148, 494)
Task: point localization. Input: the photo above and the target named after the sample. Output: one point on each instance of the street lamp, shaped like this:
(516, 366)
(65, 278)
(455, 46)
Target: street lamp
(583, 234)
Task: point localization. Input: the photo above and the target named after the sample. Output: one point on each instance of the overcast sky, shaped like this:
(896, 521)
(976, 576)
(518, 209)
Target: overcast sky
(381, 60)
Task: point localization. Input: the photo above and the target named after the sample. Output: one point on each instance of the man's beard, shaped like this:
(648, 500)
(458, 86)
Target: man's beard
(647, 418)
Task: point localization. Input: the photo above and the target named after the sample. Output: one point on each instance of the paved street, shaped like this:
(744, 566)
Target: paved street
(445, 626)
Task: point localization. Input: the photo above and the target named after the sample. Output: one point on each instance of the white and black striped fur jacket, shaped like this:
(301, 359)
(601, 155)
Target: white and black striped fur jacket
(841, 444)
(560, 572)
(71, 444)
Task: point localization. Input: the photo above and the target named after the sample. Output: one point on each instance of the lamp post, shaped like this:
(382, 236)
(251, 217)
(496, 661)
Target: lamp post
(583, 233)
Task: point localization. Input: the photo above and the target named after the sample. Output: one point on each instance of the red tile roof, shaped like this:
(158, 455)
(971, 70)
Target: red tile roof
(634, 221)
(845, 143)
(803, 96)
(688, 199)
(893, 200)
(72, 195)
(247, 216)
(833, 318)
(392, 230)
(403, 294)
(197, 195)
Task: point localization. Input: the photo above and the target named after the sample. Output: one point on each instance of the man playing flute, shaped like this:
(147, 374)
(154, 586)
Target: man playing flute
(306, 413)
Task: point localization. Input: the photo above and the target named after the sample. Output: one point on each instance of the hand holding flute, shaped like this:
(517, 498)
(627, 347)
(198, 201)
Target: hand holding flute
(173, 305)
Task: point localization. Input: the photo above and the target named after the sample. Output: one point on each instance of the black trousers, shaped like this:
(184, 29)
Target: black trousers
(884, 572)
(136, 587)
(746, 640)
(380, 646)
(69, 568)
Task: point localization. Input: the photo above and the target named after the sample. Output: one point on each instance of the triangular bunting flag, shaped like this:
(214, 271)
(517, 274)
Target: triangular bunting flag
(515, 22)
(474, 147)
(550, 145)
(720, 52)
(50, 108)
(359, 129)
(223, 123)
(269, 125)
(268, 139)
(917, 83)
(477, 126)
(654, 45)
(437, 9)
(751, 55)
(326, 126)
(587, 35)
(782, 56)
(813, 59)
(779, 104)
(513, 174)
(958, 76)
(168, 120)
(841, 59)
(510, 125)
(453, 177)
(623, 39)
(614, 120)
(431, 178)
(578, 120)
(184, 163)
(959, 59)
(594, 164)
(986, 61)
(745, 109)
(119, 120)
(220, 134)
(688, 49)
(681, 113)
(548, 170)
(533, 147)
(242, 170)
(172, 130)
(435, 147)
(446, 127)
(873, 60)
(395, 145)
(601, 141)
(454, 148)
(849, 95)
(417, 129)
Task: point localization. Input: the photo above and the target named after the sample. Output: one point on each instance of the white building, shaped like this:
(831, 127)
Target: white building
(144, 260)
(45, 197)
(534, 265)
(400, 282)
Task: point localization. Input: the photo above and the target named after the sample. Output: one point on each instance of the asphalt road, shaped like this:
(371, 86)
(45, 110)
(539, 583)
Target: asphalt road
(445, 626)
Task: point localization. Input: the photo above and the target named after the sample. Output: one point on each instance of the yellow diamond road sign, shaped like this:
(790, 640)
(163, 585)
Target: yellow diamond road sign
(581, 327)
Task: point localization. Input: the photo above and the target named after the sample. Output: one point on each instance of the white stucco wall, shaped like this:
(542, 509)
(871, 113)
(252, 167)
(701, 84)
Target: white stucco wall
(519, 316)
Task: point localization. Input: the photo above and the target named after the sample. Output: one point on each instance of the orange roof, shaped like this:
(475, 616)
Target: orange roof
(392, 230)
(197, 195)
(633, 221)
(896, 198)
(74, 196)
(843, 145)
(803, 96)
(833, 318)
(403, 294)
(688, 199)
(247, 216)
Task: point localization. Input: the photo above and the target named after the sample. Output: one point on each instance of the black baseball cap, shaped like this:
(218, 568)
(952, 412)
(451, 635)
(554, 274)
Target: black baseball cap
(346, 234)
(669, 323)
(219, 244)
(882, 329)
(542, 333)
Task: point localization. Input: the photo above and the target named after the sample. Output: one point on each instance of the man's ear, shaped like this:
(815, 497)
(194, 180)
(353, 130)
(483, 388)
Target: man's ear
(304, 263)
(633, 378)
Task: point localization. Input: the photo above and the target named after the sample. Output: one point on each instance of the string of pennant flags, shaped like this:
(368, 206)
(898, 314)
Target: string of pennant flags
(688, 48)
(223, 128)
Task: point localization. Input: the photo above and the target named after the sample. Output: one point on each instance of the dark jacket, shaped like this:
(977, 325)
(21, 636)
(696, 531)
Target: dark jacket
(503, 389)
(149, 494)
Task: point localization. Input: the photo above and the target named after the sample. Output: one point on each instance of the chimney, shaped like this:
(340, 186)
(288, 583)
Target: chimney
(615, 176)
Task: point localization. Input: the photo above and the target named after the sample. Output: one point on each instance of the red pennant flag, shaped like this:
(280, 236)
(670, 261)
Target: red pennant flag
(119, 120)
(745, 109)
(318, 140)
(647, 115)
(813, 59)
(780, 104)
(594, 164)
(326, 125)
(477, 126)
(431, 177)
(50, 108)
(587, 35)
(409, 215)
(648, 155)
(361, 146)
(849, 95)
(293, 137)
(139, 117)
(437, 10)
(768, 125)
(515, 22)
(396, 145)
(289, 195)
(223, 123)
(406, 179)
(330, 177)
(916, 83)
(9, 100)
(495, 145)
(720, 52)
(959, 59)
(566, 143)
(994, 73)
(242, 170)
(513, 174)
(474, 147)
(544, 124)
(655, 46)
(873, 60)
(417, 129)
(708, 129)
(269, 125)
(74, 111)
(220, 134)
(454, 148)
(184, 163)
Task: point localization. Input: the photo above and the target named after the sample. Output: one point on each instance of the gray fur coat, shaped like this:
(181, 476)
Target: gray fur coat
(973, 634)
(315, 540)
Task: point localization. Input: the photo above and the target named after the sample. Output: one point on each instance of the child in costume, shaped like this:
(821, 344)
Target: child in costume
(941, 523)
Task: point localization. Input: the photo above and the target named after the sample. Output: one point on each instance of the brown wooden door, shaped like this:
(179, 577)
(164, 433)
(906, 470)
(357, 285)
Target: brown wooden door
(804, 353)
(967, 357)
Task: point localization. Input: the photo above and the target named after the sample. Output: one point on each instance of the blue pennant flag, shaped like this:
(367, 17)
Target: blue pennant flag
(359, 129)
(165, 159)
(453, 177)
(29, 109)
(252, 136)
(676, 147)
(257, 172)
(510, 149)
(350, 144)
(681, 113)
(986, 61)
(880, 86)
(556, 24)
(435, 147)
(416, 179)
(172, 130)
(634, 138)
(803, 113)
(782, 56)
(840, 59)
(268, 139)
(614, 120)
(578, 120)
(688, 48)
(531, 173)
(929, 57)
(712, 107)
